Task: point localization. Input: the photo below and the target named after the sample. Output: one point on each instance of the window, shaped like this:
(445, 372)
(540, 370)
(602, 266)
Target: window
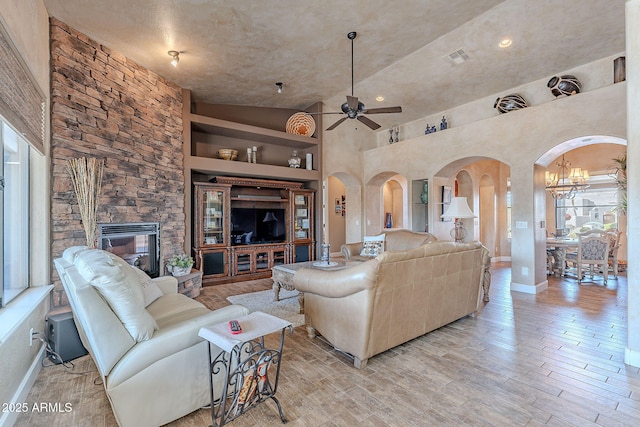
(594, 208)
(14, 213)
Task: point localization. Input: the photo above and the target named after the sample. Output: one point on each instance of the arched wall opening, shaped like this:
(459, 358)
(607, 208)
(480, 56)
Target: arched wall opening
(595, 153)
(375, 200)
(484, 182)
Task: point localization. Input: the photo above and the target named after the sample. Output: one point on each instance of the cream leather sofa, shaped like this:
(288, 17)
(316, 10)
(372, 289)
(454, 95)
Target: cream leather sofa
(149, 380)
(395, 240)
(395, 297)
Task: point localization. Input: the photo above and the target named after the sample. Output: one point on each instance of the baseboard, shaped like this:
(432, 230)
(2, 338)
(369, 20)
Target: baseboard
(530, 289)
(632, 357)
(9, 418)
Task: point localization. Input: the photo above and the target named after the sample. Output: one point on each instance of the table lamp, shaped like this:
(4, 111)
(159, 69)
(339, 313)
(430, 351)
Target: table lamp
(458, 209)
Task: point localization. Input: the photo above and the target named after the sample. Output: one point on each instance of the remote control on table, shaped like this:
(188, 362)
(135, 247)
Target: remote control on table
(235, 327)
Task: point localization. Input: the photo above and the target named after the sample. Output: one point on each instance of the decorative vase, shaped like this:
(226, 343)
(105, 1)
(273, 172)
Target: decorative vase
(510, 103)
(388, 220)
(309, 162)
(424, 196)
(564, 85)
(619, 73)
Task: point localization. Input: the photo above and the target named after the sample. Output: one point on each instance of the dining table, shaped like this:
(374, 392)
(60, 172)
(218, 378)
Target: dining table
(557, 248)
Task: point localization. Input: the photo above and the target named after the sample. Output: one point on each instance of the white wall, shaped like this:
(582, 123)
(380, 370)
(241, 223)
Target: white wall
(517, 139)
(27, 23)
(632, 15)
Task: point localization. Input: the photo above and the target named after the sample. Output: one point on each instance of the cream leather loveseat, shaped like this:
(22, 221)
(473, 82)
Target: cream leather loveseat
(152, 363)
(394, 240)
(395, 297)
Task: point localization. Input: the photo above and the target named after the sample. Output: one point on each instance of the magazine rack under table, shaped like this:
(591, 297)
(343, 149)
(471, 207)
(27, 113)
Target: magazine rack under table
(250, 370)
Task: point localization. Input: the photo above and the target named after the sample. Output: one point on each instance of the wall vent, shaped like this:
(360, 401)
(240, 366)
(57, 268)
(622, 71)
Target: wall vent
(457, 57)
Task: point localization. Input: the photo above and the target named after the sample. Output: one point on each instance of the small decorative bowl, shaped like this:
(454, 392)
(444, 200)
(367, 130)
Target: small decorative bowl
(227, 154)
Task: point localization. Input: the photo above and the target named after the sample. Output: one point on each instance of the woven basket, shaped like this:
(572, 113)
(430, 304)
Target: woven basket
(301, 124)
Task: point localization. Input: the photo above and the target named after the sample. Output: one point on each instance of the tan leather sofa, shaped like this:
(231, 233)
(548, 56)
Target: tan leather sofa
(150, 381)
(395, 240)
(395, 297)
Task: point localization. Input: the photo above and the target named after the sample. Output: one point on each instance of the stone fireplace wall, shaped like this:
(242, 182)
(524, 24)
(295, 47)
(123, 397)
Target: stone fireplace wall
(105, 106)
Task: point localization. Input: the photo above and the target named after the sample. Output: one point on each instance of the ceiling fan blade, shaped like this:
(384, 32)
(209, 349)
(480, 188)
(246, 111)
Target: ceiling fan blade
(352, 102)
(383, 110)
(326, 112)
(367, 121)
(335, 125)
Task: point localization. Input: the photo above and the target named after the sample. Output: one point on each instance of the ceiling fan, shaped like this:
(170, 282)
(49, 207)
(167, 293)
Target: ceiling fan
(355, 109)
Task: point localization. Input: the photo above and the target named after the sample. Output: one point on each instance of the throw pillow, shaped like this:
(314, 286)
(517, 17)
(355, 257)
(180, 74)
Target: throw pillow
(372, 245)
(150, 291)
(119, 285)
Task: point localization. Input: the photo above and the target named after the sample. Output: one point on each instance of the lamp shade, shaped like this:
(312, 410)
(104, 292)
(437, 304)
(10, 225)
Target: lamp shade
(458, 209)
(270, 217)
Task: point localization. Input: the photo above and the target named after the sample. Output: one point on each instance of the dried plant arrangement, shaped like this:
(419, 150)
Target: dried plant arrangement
(86, 174)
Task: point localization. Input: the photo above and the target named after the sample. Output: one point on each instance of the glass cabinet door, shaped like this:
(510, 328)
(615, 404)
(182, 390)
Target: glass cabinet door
(302, 217)
(212, 217)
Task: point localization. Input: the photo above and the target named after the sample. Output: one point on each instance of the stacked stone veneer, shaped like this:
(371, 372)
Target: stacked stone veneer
(108, 107)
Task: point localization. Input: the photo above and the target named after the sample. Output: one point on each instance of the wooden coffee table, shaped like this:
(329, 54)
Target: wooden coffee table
(283, 274)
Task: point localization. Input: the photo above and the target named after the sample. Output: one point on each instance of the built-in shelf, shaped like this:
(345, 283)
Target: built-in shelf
(257, 199)
(220, 127)
(206, 166)
(235, 130)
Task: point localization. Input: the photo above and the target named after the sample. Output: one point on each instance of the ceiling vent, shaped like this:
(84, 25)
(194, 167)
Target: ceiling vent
(457, 57)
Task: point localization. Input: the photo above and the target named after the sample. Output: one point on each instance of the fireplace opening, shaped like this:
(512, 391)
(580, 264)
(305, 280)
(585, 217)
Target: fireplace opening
(136, 243)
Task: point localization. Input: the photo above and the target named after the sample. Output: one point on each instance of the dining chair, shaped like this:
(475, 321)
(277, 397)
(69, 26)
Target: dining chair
(614, 245)
(592, 255)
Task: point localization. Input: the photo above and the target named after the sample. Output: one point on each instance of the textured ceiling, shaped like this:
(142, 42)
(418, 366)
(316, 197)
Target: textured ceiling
(233, 52)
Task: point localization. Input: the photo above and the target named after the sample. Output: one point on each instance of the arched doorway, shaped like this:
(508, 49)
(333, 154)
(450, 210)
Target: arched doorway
(596, 205)
(484, 182)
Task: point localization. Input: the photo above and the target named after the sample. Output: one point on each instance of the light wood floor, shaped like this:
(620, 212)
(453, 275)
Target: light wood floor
(555, 358)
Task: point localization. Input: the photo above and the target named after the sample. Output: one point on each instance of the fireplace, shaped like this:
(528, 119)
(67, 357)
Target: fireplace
(136, 243)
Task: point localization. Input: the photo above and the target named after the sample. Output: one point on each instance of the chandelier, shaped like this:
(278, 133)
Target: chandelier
(567, 181)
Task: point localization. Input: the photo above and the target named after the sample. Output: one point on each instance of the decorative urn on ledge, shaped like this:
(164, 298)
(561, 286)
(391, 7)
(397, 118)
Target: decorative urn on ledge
(509, 103)
(564, 85)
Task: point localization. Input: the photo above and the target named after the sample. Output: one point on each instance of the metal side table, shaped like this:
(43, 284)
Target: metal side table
(250, 370)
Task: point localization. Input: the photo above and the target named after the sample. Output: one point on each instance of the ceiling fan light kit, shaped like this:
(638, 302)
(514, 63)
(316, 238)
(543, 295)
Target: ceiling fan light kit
(353, 108)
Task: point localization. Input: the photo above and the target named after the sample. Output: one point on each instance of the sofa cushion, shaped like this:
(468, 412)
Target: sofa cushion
(372, 246)
(150, 290)
(402, 240)
(119, 285)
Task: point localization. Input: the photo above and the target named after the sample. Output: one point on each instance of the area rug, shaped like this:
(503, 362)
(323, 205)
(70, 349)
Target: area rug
(287, 308)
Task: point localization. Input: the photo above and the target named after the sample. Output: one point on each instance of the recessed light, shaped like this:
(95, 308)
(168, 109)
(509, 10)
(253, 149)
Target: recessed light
(505, 43)
(379, 98)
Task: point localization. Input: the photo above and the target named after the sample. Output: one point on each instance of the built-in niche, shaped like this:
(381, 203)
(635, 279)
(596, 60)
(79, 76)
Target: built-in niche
(393, 211)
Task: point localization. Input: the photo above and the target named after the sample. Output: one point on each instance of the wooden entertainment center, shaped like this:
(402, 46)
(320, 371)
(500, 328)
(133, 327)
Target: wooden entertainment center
(243, 217)
(243, 227)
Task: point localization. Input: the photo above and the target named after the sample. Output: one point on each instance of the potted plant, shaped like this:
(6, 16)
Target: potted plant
(179, 265)
(619, 173)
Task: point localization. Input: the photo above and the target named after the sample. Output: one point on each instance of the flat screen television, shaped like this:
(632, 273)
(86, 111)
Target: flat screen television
(258, 225)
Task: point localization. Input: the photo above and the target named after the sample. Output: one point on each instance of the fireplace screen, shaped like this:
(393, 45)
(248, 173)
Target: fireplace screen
(136, 243)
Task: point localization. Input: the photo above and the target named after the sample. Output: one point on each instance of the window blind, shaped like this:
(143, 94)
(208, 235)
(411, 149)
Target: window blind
(21, 102)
